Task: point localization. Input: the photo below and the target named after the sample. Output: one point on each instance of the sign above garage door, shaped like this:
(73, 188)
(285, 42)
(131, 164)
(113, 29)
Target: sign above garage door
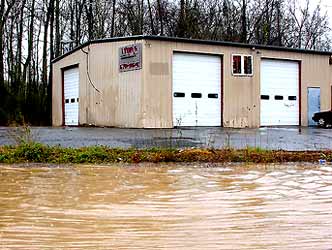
(196, 90)
(279, 92)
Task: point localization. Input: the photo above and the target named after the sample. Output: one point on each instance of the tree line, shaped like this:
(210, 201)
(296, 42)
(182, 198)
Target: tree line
(34, 32)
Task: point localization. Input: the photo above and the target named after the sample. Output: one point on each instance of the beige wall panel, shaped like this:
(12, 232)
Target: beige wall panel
(241, 94)
(330, 87)
(111, 98)
(157, 70)
(56, 97)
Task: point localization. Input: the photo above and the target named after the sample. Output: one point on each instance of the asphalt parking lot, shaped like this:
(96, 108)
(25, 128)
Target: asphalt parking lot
(286, 138)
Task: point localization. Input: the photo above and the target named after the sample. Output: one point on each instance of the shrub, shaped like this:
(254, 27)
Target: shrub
(32, 152)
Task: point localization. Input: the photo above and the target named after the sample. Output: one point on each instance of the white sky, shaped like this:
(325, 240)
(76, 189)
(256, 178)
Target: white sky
(326, 6)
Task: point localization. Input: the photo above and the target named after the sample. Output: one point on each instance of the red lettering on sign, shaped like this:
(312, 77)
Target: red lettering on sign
(129, 50)
(129, 65)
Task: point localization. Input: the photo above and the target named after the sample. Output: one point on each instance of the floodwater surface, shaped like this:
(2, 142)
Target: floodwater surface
(166, 207)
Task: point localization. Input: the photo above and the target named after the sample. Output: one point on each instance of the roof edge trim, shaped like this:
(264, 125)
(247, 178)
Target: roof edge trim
(194, 41)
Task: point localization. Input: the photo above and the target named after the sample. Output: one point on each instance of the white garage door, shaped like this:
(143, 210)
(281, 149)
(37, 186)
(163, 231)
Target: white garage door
(71, 92)
(196, 90)
(279, 93)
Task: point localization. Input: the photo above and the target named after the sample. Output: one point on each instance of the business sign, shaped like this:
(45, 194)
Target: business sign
(130, 57)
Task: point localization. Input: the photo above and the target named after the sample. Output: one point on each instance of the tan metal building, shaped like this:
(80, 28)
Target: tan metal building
(159, 82)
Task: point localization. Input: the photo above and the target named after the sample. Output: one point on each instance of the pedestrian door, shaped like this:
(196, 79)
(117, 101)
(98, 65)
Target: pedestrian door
(313, 104)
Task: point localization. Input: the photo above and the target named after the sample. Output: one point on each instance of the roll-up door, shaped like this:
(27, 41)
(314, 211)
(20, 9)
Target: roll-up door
(279, 92)
(196, 90)
(71, 96)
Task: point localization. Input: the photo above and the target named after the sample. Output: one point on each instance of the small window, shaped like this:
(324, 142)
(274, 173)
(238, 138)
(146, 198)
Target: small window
(78, 99)
(179, 94)
(215, 96)
(291, 98)
(242, 65)
(237, 65)
(247, 65)
(72, 100)
(265, 97)
(67, 101)
(278, 97)
(196, 95)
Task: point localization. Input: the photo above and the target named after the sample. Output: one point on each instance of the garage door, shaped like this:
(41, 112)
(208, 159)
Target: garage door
(71, 95)
(196, 90)
(279, 93)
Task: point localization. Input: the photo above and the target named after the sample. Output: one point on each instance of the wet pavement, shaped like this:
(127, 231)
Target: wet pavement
(286, 138)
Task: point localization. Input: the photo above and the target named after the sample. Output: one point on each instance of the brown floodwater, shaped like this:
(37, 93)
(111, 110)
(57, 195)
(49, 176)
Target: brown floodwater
(166, 207)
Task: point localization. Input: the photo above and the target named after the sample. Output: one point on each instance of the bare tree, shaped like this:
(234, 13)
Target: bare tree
(5, 8)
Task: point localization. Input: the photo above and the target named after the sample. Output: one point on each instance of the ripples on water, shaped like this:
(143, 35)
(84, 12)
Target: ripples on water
(166, 207)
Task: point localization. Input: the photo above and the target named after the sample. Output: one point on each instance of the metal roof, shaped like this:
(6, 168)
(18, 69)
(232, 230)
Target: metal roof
(193, 41)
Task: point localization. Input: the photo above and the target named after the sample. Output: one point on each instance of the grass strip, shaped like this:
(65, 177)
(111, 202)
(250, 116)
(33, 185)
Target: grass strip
(39, 153)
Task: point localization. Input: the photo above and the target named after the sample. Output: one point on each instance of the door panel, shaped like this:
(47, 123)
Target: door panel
(313, 104)
(196, 90)
(279, 92)
(71, 95)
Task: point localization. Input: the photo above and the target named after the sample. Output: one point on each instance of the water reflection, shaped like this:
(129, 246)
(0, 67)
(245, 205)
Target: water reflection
(166, 207)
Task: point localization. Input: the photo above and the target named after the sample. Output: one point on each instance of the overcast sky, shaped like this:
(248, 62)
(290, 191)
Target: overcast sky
(326, 6)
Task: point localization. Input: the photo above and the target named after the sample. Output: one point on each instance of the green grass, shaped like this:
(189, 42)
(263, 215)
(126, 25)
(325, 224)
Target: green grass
(32, 152)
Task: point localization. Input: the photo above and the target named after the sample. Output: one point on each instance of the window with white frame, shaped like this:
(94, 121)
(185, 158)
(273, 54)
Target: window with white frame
(242, 65)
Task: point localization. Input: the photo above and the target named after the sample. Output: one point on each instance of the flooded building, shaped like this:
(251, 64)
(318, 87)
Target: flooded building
(160, 82)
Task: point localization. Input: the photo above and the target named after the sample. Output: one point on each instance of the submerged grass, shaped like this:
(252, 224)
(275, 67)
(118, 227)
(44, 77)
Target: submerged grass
(32, 152)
